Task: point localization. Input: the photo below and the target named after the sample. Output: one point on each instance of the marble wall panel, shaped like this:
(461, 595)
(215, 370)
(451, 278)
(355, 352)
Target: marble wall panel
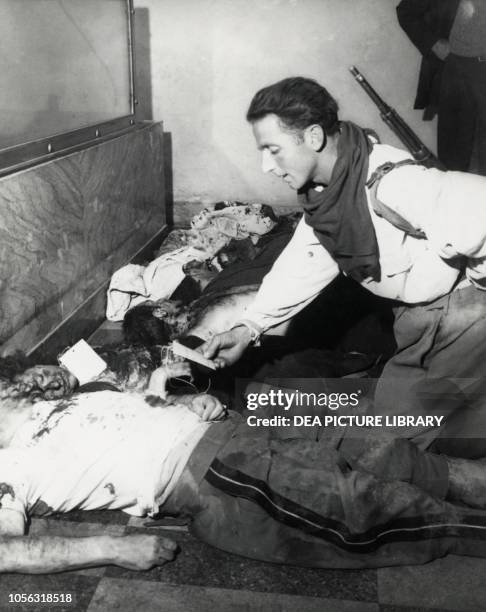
(67, 225)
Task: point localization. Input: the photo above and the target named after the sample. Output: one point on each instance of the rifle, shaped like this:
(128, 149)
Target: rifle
(390, 116)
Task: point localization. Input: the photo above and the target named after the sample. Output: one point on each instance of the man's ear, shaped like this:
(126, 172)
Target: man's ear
(315, 137)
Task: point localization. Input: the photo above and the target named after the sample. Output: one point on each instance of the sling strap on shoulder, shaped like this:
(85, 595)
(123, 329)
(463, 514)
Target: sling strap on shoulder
(384, 211)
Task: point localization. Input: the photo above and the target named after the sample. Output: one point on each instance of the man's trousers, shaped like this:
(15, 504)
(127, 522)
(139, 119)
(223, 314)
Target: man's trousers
(297, 501)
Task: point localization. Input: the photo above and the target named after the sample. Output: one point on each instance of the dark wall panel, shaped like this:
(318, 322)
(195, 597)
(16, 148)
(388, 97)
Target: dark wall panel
(67, 225)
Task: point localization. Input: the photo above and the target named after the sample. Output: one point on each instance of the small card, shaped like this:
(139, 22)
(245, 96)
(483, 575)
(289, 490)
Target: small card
(83, 362)
(187, 353)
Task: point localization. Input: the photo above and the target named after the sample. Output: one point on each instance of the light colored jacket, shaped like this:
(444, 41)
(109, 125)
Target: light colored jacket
(450, 207)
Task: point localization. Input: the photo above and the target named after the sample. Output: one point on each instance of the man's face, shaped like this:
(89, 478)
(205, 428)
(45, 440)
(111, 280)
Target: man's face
(288, 155)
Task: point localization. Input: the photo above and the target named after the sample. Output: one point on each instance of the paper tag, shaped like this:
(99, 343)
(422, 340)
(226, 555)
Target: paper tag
(83, 362)
(187, 353)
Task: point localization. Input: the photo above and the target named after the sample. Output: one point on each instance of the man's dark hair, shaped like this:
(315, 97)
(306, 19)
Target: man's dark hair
(298, 102)
(141, 328)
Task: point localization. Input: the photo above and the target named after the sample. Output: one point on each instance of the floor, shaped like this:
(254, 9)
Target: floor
(205, 579)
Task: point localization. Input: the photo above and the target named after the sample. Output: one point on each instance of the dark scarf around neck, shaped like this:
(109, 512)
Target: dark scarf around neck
(339, 214)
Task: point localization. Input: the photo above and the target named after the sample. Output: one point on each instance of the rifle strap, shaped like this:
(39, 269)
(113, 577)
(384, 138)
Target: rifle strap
(384, 211)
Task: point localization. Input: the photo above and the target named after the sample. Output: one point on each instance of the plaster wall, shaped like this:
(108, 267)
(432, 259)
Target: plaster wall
(208, 57)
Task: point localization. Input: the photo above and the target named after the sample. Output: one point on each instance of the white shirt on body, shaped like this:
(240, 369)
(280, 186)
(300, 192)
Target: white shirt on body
(450, 207)
(103, 450)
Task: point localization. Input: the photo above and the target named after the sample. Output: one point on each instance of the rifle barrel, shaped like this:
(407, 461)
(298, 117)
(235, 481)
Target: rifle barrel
(390, 116)
(373, 94)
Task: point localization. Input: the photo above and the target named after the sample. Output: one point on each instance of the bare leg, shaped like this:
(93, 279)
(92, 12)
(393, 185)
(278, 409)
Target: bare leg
(39, 555)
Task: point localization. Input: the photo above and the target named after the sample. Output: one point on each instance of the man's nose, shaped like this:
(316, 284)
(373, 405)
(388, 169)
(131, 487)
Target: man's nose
(268, 163)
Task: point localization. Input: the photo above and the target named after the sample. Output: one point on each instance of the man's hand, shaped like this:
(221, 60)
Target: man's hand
(207, 407)
(441, 48)
(142, 552)
(45, 382)
(225, 349)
